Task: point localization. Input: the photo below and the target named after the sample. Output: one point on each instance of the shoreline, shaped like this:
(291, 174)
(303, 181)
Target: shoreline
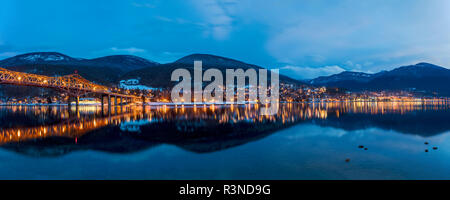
(228, 103)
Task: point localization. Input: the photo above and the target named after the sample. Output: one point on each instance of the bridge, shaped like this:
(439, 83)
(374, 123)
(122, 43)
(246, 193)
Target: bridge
(74, 85)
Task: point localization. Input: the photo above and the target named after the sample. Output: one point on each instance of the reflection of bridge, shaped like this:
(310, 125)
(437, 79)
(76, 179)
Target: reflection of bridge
(74, 85)
(190, 127)
(72, 128)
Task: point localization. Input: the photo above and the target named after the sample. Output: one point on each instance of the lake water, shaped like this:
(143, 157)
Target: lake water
(303, 141)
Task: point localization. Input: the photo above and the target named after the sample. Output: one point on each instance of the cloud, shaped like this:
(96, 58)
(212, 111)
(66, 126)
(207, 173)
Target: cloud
(179, 21)
(164, 19)
(143, 5)
(361, 32)
(315, 43)
(355, 66)
(130, 50)
(311, 33)
(216, 16)
(310, 72)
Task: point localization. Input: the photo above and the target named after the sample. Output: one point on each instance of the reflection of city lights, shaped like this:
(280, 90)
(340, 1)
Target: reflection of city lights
(222, 114)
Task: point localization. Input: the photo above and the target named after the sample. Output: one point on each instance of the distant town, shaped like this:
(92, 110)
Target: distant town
(288, 93)
(139, 77)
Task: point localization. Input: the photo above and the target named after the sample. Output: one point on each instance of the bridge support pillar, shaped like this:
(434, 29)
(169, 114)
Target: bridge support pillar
(115, 100)
(102, 101)
(143, 104)
(77, 101)
(121, 101)
(69, 106)
(109, 103)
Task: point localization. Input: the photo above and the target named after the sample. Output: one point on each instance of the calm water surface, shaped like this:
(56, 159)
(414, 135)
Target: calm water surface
(303, 141)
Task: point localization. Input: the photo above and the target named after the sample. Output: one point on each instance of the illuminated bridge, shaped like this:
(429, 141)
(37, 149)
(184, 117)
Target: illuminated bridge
(74, 85)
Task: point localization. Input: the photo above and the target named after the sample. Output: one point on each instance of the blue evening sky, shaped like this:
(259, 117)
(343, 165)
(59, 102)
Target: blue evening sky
(304, 38)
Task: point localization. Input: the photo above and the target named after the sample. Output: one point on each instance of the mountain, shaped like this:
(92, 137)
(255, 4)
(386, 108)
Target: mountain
(160, 75)
(212, 60)
(123, 62)
(343, 76)
(38, 58)
(109, 70)
(419, 70)
(57, 64)
(104, 70)
(423, 77)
